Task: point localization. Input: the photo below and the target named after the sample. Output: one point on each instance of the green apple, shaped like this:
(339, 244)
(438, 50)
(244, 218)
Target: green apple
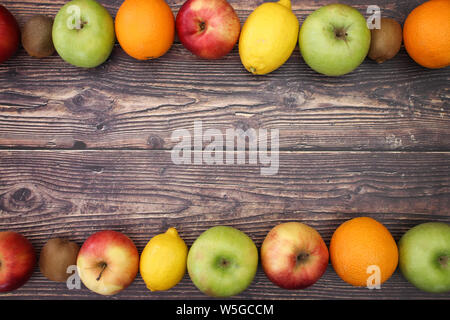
(334, 40)
(83, 33)
(424, 256)
(222, 262)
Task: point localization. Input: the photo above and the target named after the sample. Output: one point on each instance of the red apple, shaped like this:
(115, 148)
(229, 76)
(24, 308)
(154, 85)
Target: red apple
(17, 259)
(294, 255)
(208, 28)
(107, 262)
(9, 34)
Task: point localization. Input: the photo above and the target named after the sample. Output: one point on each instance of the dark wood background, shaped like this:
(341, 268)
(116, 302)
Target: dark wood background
(88, 150)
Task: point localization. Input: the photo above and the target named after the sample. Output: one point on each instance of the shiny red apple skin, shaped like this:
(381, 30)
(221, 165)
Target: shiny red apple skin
(208, 28)
(9, 34)
(281, 248)
(119, 255)
(17, 260)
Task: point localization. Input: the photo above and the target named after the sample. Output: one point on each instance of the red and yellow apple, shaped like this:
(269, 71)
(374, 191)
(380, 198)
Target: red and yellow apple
(108, 262)
(9, 34)
(17, 259)
(208, 28)
(294, 255)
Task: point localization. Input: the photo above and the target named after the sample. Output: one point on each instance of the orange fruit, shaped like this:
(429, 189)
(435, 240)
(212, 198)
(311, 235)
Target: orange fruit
(357, 245)
(145, 29)
(426, 34)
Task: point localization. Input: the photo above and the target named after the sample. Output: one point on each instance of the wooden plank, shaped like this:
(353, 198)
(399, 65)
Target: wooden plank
(398, 9)
(330, 286)
(73, 194)
(129, 104)
(124, 103)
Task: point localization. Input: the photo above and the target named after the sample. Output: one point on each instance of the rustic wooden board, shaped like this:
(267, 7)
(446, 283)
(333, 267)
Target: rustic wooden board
(76, 193)
(87, 150)
(129, 104)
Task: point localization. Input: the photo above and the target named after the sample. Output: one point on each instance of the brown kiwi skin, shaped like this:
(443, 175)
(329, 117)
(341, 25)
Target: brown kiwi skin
(37, 36)
(386, 41)
(56, 256)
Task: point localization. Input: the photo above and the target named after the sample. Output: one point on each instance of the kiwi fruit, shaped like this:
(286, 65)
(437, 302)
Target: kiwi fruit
(56, 256)
(386, 41)
(37, 36)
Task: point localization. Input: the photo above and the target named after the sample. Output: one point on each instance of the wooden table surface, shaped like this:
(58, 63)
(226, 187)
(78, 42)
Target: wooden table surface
(88, 150)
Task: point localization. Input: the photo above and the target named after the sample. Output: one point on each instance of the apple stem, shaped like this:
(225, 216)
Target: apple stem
(80, 25)
(302, 257)
(202, 25)
(443, 261)
(341, 33)
(101, 272)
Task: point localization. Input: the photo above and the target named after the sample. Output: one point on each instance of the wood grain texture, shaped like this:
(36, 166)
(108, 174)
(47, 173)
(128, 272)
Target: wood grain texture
(129, 104)
(73, 194)
(87, 150)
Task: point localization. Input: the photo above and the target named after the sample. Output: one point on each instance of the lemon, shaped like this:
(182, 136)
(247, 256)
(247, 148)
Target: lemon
(268, 37)
(163, 261)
